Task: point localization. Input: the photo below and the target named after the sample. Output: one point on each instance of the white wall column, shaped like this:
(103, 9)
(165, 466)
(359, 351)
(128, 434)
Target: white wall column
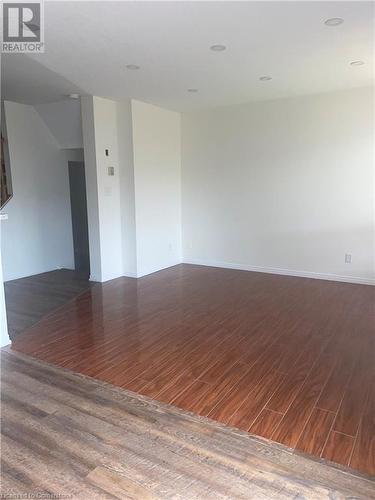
(99, 124)
(127, 187)
(134, 215)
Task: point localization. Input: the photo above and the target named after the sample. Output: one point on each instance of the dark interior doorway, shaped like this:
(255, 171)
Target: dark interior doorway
(78, 203)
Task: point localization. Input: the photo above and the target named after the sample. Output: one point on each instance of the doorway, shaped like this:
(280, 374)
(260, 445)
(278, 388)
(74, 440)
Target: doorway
(78, 202)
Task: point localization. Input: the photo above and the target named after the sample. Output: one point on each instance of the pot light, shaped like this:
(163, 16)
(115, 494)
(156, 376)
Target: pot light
(192, 90)
(73, 96)
(334, 21)
(265, 78)
(357, 63)
(218, 48)
(132, 66)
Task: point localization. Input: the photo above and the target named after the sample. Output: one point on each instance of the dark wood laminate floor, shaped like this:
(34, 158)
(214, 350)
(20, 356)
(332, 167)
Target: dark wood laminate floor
(31, 298)
(70, 435)
(289, 359)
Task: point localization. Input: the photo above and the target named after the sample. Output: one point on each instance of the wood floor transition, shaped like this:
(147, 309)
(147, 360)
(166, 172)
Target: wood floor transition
(289, 359)
(65, 435)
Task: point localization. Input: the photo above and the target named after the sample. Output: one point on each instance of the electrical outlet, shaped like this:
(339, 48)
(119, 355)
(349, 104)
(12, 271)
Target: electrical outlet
(348, 258)
(170, 246)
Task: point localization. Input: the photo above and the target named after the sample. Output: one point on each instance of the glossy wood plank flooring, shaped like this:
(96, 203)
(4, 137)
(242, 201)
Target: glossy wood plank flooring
(290, 359)
(31, 298)
(69, 436)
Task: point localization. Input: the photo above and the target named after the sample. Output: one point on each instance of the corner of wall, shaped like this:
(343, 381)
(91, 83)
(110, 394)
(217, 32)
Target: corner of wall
(127, 187)
(88, 133)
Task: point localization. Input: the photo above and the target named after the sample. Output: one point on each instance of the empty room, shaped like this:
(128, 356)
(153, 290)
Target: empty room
(187, 250)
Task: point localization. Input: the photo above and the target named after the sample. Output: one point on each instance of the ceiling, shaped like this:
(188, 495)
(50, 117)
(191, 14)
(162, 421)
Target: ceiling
(89, 44)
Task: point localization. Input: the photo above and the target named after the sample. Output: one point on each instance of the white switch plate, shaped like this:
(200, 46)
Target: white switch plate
(3, 216)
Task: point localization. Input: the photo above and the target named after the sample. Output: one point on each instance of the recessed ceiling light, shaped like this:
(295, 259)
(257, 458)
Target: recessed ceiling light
(265, 78)
(192, 90)
(218, 48)
(357, 63)
(334, 21)
(73, 96)
(132, 66)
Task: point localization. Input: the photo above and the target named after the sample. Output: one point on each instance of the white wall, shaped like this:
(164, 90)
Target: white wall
(105, 119)
(157, 173)
(134, 216)
(285, 185)
(127, 189)
(37, 237)
(63, 118)
(91, 177)
(99, 121)
(74, 154)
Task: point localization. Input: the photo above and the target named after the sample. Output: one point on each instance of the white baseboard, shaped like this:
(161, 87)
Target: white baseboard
(127, 274)
(130, 274)
(257, 269)
(156, 269)
(284, 272)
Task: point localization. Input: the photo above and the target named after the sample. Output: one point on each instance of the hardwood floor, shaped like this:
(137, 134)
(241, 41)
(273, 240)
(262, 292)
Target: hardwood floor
(290, 359)
(30, 299)
(65, 435)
